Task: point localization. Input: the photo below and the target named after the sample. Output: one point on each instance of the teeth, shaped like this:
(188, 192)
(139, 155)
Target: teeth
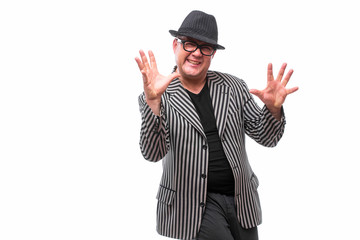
(193, 62)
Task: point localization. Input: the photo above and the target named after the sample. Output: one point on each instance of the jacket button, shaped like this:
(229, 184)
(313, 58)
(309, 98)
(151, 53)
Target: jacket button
(203, 175)
(204, 147)
(202, 204)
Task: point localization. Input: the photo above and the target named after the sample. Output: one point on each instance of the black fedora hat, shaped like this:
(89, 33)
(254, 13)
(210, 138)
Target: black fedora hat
(200, 26)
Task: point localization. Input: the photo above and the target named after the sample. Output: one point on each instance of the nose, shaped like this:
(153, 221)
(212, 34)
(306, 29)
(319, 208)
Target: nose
(197, 53)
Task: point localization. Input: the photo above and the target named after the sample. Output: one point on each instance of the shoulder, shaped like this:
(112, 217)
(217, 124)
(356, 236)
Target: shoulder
(227, 79)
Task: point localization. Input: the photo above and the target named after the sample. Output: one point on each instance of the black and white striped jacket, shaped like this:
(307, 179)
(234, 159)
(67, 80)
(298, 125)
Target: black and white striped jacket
(177, 137)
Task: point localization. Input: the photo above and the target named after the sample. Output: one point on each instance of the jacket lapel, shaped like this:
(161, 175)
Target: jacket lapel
(220, 95)
(181, 102)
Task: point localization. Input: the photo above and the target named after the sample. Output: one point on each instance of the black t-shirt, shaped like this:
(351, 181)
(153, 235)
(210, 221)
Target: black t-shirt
(220, 176)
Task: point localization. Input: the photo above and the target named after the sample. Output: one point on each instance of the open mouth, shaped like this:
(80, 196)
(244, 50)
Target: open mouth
(194, 62)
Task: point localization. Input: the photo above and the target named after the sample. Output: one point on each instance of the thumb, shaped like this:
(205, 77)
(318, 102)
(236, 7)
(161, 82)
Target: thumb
(255, 92)
(171, 77)
(174, 75)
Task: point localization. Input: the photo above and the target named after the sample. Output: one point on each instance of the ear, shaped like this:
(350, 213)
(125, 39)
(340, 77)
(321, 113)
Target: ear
(175, 43)
(213, 55)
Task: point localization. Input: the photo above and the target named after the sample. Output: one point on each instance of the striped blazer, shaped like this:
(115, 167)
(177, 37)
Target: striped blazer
(177, 137)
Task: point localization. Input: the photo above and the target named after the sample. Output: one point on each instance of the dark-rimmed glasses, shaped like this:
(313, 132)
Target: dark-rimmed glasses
(190, 46)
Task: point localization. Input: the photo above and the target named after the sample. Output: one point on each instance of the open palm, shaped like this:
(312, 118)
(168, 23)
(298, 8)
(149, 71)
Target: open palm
(275, 93)
(155, 84)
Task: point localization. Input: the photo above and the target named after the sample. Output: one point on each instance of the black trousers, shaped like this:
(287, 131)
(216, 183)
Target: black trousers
(220, 222)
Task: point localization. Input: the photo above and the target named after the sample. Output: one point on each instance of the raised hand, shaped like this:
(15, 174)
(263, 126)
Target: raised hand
(275, 93)
(155, 84)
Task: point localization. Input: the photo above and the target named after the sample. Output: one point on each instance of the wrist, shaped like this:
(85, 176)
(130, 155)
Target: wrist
(275, 111)
(154, 104)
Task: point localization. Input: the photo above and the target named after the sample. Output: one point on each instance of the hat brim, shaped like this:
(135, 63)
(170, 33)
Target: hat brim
(197, 37)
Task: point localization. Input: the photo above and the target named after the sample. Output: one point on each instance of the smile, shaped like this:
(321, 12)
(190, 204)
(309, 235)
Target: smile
(194, 62)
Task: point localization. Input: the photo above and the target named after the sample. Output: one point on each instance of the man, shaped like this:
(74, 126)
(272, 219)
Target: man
(195, 120)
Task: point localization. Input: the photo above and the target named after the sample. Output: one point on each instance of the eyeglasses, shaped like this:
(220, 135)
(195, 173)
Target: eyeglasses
(190, 46)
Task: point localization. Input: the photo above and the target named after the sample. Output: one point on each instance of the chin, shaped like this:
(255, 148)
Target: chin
(190, 72)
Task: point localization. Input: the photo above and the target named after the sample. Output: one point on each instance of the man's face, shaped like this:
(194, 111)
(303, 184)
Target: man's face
(191, 65)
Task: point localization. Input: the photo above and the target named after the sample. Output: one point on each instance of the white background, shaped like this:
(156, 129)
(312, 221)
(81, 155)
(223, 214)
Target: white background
(70, 164)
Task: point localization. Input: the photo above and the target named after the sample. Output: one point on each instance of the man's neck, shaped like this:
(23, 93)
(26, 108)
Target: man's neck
(193, 85)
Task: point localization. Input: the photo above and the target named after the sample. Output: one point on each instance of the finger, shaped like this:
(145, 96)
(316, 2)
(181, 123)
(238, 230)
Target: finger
(139, 63)
(174, 75)
(144, 59)
(287, 78)
(281, 72)
(256, 92)
(152, 60)
(292, 90)
(171, 77)
(141, 68)
(270, 76)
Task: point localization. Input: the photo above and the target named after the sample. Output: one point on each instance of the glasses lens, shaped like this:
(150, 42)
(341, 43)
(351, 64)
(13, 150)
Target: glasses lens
(207, 50)
(190, 46)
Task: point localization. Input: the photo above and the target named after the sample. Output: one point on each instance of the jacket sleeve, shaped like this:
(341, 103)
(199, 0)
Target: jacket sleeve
(260, 124)
(154, 133)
